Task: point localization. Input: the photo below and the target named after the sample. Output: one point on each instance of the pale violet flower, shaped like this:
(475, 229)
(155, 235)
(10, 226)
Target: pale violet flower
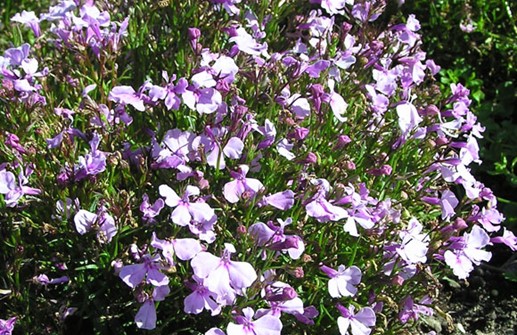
(342, 282)
(355, 323)
(264, 325)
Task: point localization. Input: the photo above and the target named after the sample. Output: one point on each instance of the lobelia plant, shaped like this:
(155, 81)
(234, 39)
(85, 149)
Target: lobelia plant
(283, 160)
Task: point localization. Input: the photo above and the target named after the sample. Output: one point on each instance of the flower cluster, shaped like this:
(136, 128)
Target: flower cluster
(272, 172)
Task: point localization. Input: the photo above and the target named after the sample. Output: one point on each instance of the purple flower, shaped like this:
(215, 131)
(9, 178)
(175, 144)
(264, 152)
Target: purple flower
(215, 331)
(17, 55)
(7, 326)
(466, 251)
(309, 313)
(102, 221)
(30, 19)
(281, 200)
(247, 43)
(281, 298)
(333, 7)
(201, 95)
(507, 238)
(128, 96)
(268, 131)
(184, 210)
(228, 5)
(448, 202)
(92, 163)
(235, 189)
(149, 269)
(359, 322)
(145, 318)
(170, 93)
(13, 141)
(414, 245)
(408, 117)
(45, 280)
(342, 282)
(201, 298)
(320, 208)
(265, 325)
(412, 311)
(150, 211)
(222, 275)
(184, 248)
(174, 150)
(273, 237)
(14, 189)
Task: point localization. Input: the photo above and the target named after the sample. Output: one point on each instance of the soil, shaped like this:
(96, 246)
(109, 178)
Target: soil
(485, 304)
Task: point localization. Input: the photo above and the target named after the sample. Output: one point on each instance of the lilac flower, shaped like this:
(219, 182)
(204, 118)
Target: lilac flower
(225, 68)
(65, 208)
(320, 208)
(507, 238)
(201, 298)
(102, 221)
(359, 322)
(170, 93)
(145, 318)
(7, 326)
(284, 148)
(128, 96)
(184, 248)
(247, 43)
(273, 237)
(55, 141)
(235, 189)
(408, 117)
(333, 7)
(30, 19)
(467, 26)
(309, 313)
(215, 331)
(16, 56)
(59, 11)
(222, 275)
(233, 148)
(92, 163)
(282, 298)
(379, 101)
(13, 141)
(337, 103)
(14, 189)
(448, 202)
(184, 210)
(314, 70)
(148, 269)
(228, 5)
(414, 245)
(265, 325)
(111, 117)
(45, 280)
(466, 251)
(412, 311)
(268, 131)
(342, 282)
(489, 218)
(150, 211)
(201, 95)
(281, 200)
(174, 151)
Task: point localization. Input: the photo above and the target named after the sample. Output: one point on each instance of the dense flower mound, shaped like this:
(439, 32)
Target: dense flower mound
(279, 168)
